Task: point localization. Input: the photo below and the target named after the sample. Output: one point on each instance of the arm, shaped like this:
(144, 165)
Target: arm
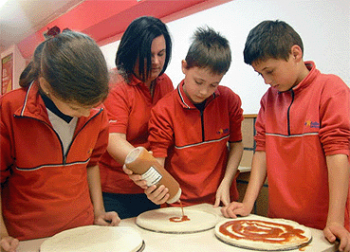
(338, 179)
(7, 243)
(101, 217)
(118, 147)
(234, 158)
(256, 181)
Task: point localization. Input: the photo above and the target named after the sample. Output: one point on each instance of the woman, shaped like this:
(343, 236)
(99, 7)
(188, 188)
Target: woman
(142, 57)
(52, 136)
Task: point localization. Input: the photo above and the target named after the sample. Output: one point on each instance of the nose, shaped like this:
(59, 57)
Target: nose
(268, 81)
(203, 91)
(155, 60)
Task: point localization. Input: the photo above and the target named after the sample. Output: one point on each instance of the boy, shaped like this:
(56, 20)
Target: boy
(303, 131)
(191, 127)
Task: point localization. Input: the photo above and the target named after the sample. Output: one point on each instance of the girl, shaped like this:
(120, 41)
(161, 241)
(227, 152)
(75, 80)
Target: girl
(52, 136)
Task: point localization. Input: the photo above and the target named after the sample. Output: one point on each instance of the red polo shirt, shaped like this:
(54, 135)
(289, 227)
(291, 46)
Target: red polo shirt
(129, 110)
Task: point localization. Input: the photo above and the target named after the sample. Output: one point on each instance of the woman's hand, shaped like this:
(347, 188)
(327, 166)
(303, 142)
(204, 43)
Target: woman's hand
(136, 178)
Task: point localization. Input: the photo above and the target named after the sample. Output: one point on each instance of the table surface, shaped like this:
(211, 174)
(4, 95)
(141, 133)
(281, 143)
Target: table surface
(195, 242)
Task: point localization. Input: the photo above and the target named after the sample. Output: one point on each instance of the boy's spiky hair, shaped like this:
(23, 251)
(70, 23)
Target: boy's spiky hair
(209, 49)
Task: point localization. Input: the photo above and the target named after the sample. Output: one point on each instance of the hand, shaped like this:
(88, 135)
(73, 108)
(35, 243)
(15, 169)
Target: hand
(9, 244)
(333, 231)
(136, 178)
(235, 209)
(157, 195)
(222, 195)
(107, 219)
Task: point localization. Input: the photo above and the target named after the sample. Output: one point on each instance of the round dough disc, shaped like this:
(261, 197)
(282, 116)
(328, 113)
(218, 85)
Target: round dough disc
(264, 234)
(94, 238)
(158, 220)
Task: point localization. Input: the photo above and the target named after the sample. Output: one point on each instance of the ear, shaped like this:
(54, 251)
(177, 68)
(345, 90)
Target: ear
(297, 53)
(184, 66)
(44, 85)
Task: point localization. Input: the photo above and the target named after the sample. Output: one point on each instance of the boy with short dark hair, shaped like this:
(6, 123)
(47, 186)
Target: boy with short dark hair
(302, 140)
(191, 127)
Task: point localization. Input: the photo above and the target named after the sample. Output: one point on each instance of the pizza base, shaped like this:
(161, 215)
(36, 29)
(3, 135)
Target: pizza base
(158, 220)
(274, 244)
(94, 238)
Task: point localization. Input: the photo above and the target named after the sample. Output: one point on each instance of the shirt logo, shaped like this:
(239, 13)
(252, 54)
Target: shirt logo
(222, 131)
(312, 124)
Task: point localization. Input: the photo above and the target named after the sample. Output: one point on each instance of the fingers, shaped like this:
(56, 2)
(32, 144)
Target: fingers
(113, 218)
(9, 244)
(228, 212)
(157, 195)
(217, 202)
(329, 235)
(127, 171)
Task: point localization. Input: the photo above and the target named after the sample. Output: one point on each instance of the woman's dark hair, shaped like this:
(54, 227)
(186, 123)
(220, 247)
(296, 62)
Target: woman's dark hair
(136, 44)
(73, 65)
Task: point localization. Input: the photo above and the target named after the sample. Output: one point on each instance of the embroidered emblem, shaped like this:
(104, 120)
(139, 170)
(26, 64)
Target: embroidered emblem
(222, 131)
(312, 124)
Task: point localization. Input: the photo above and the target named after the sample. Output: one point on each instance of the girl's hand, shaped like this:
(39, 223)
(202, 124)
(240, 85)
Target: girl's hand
(9, 244)
(107, 219)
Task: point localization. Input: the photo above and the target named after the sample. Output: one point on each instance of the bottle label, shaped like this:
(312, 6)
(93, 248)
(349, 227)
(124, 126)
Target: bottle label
(152, 176)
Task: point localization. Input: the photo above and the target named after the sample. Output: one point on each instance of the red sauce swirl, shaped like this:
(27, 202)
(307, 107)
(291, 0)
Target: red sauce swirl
(257, 230)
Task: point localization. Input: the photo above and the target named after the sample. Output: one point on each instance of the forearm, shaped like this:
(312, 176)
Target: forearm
(118, 147)
(257, 178)
(94, 181)
(233, 161)
(3, 229)
(338, 179)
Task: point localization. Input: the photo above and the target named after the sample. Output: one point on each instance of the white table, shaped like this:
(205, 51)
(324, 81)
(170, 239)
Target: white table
(196, 242)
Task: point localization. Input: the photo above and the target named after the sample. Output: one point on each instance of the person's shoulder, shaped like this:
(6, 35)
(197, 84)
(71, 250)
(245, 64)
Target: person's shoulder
(225, 91)
(13, 97)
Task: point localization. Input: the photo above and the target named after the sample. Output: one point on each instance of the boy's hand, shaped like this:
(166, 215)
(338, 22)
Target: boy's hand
(222, 195)
(136, 178)
(334, 231)
(9, 244)
(107, 219)
(157, 195)
(235, 209)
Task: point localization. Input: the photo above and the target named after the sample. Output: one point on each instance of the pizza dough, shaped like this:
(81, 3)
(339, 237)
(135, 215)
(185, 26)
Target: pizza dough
(158, 220)
(94, 238)
(263, 234)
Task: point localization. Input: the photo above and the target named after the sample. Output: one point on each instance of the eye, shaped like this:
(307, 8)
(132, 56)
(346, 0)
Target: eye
(198, 82)
(74, 108)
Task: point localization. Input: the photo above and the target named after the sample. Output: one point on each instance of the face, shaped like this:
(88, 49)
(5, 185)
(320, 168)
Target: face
(281, 74)
(70, 108)
(199, 83)
(158, 55)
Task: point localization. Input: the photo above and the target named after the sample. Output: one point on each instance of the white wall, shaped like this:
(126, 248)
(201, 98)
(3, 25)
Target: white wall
(323, 25)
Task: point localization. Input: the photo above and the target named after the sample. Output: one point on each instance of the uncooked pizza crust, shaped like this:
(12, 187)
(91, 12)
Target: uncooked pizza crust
(263, 234)
(94, 238)
(158, 220)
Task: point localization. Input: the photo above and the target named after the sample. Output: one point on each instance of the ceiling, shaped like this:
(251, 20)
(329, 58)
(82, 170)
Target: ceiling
(21, 18)
(24, 22)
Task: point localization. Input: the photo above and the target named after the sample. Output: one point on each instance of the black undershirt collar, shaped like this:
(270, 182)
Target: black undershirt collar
(52, 107)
